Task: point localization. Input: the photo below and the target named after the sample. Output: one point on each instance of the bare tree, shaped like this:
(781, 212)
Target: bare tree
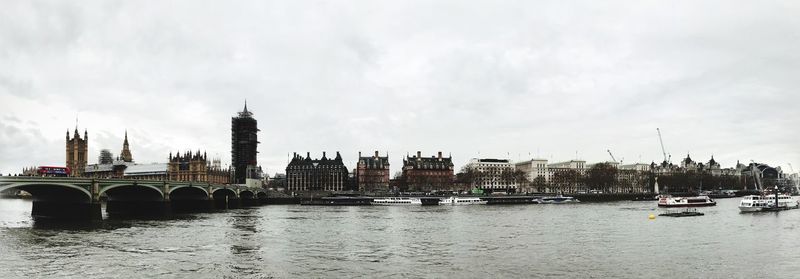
(469, 176)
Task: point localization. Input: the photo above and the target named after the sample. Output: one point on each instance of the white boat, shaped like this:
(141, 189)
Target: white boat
(695, 201)
(396, 201)
(461, 201)
(559, 199)
(755, 203)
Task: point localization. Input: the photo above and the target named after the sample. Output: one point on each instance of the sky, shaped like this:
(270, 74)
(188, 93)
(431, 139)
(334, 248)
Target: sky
(493, 79)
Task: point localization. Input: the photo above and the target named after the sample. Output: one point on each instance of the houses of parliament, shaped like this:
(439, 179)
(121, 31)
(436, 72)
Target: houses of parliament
(180, 166)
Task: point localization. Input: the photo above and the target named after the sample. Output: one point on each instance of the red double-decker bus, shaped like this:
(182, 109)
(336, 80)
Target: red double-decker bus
(53, 171)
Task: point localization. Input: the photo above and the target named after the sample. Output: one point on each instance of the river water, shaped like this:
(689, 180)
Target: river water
(291, 241)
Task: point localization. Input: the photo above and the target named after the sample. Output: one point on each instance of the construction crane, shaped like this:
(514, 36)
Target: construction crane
(613, 159)
(661, 140)
(796, 180)
(756, 176)
(612, 156)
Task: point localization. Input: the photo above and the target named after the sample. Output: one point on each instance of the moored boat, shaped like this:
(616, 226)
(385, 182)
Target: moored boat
(559, 199)
(396, 201)
(756, 203)
(684, 212)
(695, 201)
(461, 201)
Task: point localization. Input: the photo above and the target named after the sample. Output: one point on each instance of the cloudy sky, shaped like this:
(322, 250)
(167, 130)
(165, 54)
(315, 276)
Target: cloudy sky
(515, 79)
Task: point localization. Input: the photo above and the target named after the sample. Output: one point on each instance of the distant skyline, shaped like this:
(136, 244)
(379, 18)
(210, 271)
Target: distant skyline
(545, 78)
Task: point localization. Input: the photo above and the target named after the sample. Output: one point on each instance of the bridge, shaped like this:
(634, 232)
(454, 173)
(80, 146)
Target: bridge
(80, 198)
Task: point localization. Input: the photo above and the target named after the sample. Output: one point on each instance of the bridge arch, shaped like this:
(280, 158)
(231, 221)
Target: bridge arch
(221, 192)
(174, 188)
(246, 194)
(36, 189)
(188, 192)
(105, 189)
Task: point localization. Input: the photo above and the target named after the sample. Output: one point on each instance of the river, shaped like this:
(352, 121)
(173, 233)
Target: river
(291, 241)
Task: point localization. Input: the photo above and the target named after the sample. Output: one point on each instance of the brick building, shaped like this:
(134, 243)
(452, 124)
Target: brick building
(372, 173)
(429, 173)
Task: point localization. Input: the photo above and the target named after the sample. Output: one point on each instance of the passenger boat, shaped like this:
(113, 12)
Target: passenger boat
(695, 201)
(396, 201)
(559, 199)
(461, 201)
(755, 203)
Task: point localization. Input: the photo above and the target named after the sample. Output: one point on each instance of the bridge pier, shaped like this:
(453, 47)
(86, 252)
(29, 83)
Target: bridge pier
(66, 210)
(134, 208)
(248, 199)
(227, 202)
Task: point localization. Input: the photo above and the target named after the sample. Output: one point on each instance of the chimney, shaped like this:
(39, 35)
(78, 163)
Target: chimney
(323, 154)
(308, 154)
(376, 153)
(440, 155)
(359, 154)
(419, 154)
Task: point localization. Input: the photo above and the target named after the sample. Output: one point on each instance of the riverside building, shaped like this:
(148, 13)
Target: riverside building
(428, 173)
(196, 167)
(324, 174)
(372, 173)
(124, 166)
(535, 169)
(565, 176)
(491, 174)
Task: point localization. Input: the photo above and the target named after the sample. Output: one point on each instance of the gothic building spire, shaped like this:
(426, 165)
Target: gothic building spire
(126, 152)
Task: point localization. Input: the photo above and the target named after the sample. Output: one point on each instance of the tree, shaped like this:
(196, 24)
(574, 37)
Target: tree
(520, 178)
(469, 176)
(603, 176)
(540, 183)
(507, 177)
(565, 180)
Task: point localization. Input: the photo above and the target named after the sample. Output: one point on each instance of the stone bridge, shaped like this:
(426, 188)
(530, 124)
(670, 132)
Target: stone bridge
(80, 198)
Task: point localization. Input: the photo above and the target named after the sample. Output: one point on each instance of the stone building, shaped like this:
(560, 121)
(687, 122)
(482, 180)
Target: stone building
(196, 167)
(534, 168)
(77, 152)
(428, 174)
(565, 176)
(116, 169)
(154, 171)
(306, 174)
(372, 173)
(491, 171)
(244, 146)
